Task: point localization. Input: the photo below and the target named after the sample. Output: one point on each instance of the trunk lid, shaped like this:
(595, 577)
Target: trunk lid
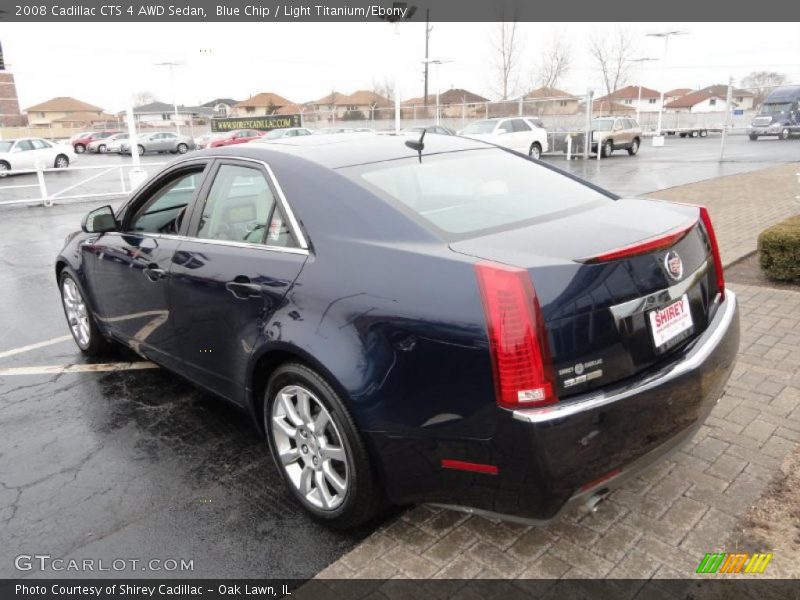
(598, 314)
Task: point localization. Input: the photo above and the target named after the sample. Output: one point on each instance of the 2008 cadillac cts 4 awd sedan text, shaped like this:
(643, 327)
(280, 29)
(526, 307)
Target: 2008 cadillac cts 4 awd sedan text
(447, 322)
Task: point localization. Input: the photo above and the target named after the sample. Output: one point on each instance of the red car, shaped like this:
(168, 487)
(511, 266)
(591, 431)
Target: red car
(82, 143)
(237, 136)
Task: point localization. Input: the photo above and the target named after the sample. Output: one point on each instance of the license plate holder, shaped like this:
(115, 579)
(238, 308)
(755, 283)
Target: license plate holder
(671, 324)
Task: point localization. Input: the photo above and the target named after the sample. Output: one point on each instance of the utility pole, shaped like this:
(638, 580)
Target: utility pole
(428, 30)
(172, 66)
(666, 35)
(728, 109)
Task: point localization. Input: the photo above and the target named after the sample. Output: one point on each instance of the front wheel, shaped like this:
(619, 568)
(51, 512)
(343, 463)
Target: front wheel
(140, 149)
(608, 148)
(102, 149)
(62, 162)
(4, 168)
(634, 147)
(318, 450)
(535, 150)
(703, 133)
(80, 148)
(182, 148)
(785, 133)
(753, 137)
(79, 317)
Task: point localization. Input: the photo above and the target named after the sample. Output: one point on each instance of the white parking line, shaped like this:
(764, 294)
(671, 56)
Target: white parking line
(22, 349)
(58, 369)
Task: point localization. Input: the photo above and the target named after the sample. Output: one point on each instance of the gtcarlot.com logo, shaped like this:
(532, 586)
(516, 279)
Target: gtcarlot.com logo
(741, 562)
(45, 562)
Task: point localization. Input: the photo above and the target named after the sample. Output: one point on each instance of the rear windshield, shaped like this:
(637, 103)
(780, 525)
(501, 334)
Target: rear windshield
(463, 193)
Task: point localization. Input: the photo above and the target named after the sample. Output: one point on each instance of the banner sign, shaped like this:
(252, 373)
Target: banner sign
(264, 123)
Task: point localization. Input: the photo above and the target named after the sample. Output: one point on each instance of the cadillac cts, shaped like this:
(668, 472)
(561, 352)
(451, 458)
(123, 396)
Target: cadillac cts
(443, 321)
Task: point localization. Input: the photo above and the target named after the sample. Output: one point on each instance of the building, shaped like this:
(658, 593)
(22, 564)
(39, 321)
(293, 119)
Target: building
(638, 97)
(698, 102)
(10, 114)
(260, 105)
(673, 95)
(156, 114)
(550, 101)
(221, 107)
(743, 99)
(602, 107)
(67, 112)
(360, 105)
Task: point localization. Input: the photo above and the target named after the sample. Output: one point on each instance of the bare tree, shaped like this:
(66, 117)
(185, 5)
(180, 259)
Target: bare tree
(383, 88)
(612, 53)
(507, 46)
(143, 97)
(761, 83)
(554, 62)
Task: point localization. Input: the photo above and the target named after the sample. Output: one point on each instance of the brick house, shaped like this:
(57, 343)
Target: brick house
(10, 114)
(260, 105)
(68, 112)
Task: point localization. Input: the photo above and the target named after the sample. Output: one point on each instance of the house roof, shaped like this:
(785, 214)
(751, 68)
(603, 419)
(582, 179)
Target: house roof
(419, 101)
(85, 117)
(547, 92)
(690, 100)
(290, 109)
(331, 99)
(64, 104)
(460, 96)
(215, 101)
(721, 91)
(678, 92)
(367, 98)
(164, 107)
(601, 106)
(631, 92)
(264, 99)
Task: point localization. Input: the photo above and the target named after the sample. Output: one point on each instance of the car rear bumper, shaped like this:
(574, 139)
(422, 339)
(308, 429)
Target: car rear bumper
(549, 458)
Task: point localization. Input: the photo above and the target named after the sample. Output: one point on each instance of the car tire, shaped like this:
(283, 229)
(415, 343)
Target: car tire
(102, 149)
(326, 468)
(4, 168)
(61, 162)
(785, 133)
(140, 149)
(634, 147)
(753, 137)
(182, 148)
(80, 148)
(703, 133)
(80, 319)
(535, 151)
(683, 134)
(607, 149)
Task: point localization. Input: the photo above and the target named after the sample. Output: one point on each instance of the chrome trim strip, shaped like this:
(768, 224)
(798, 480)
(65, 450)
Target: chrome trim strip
(293, 222)
(232, 243)
(697, 355)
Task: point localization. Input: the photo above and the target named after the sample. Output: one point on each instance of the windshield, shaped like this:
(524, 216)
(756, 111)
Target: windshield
(480, 127)
(275, 134)
(461, 193)
(603, 124)
(6, 146)
(776, 109)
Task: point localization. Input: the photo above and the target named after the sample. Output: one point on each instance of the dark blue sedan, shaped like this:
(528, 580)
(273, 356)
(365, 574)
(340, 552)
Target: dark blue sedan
(445, 322)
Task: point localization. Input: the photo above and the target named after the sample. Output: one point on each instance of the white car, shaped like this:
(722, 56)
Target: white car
(110, 144)
(277, 134)
(523, 134)
(30, 153)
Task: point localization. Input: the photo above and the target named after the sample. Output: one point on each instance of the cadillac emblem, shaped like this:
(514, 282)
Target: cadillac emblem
(673, 265)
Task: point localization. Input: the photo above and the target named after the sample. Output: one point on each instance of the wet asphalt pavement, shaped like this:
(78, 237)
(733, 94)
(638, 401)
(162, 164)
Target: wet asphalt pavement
(142, 465)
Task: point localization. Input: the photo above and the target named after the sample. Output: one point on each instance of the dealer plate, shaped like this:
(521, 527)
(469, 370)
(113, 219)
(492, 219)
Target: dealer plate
(671, 324)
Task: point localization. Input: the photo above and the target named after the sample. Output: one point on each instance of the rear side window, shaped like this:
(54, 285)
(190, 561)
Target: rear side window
(461, 194)
(520, 125)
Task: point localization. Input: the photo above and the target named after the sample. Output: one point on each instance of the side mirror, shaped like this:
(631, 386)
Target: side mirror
(100, 220)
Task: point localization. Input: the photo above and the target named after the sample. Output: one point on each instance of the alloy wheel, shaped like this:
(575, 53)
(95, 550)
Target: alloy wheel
(76, 311)
(62, 162)
(310, 448)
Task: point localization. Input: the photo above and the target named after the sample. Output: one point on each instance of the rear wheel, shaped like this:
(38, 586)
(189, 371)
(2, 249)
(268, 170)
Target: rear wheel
(140, 149)
(608, 148)
(80, 148)
(703, 133)
(102, 149)
(80, 318)
(317, 448)
(4, 168)
(634, 147)
(535, 150)
(683, 134)
(785, 133)
(182, 148)
(62, 162)
(753, 137)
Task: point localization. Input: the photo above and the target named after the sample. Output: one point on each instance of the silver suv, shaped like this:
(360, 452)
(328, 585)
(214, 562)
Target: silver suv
(616, 133)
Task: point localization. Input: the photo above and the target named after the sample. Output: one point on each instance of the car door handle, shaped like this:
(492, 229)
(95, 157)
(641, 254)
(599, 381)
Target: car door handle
(242, 288)
(153, 273)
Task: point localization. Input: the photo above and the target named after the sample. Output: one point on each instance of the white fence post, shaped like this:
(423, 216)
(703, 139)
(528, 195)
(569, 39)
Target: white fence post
(42, 186)
(587, 135)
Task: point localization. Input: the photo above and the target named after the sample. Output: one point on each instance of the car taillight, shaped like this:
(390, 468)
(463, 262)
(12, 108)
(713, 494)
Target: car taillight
(712, 239)
(523, 370)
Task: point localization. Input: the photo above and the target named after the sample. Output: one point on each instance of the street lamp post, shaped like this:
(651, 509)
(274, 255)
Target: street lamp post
(666, 35)
(171, 66)
(437, 62)
(639, 99)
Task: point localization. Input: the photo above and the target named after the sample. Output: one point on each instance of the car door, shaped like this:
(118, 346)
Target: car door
(620, 135)
(23, 155)
(45, 154)
(522, 136)
(129, 270)
(169, 141)
(232, 273)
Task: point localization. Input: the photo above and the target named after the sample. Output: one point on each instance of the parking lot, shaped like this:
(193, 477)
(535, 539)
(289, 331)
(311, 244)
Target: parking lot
(136, 463)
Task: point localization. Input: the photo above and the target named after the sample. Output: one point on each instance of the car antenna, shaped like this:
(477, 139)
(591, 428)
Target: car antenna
(419, 145)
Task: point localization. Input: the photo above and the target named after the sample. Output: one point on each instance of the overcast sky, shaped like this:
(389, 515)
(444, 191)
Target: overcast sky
(104, 64)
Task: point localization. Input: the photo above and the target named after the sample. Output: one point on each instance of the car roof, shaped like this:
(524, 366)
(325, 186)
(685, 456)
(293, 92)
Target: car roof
(347, 149)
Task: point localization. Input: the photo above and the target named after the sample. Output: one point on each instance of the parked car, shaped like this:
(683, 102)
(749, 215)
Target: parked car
(779, 115)
(203, 140)
(80, 144)
(111, 143)
(437, 129)
(616, 133)
(518, 133)
(164, 141)
(332, 130)
(239, 136)
(449, 322)
(29, 153)
(277, 134)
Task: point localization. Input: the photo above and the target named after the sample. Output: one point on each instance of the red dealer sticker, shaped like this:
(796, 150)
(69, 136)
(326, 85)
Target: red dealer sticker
(671, 323)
